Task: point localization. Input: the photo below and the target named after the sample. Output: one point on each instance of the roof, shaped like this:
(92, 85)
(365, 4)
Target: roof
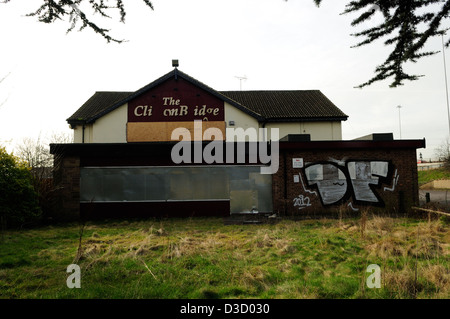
(265, 106)
(94, 150)
(282, 105)
(98, 104)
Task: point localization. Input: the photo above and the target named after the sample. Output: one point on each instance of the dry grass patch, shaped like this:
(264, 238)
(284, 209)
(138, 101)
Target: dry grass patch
(202, 258)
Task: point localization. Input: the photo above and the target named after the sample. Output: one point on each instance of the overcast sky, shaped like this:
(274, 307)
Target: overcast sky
(276, 44)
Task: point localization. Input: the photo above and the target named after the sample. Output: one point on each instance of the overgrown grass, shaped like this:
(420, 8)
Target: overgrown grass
(203, 258)
(433, 174)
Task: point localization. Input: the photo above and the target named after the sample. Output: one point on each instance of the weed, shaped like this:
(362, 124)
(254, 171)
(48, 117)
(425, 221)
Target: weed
(203, 258)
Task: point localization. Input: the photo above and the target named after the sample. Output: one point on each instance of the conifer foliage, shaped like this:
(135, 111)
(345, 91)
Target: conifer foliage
(407, 26)
(80, 12)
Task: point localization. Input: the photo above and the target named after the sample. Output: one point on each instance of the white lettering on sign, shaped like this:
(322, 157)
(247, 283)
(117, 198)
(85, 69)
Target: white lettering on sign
(204, 111)
(173, 107)
(183, 110)
(143, 110)
(171, 101)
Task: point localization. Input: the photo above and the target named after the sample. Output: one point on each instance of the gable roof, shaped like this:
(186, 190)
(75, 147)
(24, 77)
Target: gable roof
(102, 103)
(97, 105)
(263, 105)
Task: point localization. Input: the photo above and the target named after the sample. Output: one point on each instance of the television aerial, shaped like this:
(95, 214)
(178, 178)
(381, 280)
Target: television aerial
(241, 78)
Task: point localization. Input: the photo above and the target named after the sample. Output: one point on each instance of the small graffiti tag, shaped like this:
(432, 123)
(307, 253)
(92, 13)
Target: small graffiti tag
(302, 201)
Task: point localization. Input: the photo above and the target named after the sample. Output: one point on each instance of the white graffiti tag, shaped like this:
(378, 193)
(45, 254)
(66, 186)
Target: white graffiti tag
(302, 201)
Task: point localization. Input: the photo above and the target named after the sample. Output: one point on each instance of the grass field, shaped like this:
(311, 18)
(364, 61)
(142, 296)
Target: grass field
(433, 174)
(203, 258)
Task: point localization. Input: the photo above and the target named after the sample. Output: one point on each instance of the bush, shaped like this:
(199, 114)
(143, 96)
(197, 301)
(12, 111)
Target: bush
(18, 199)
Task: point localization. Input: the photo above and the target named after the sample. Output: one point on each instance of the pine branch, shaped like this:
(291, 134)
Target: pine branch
(401, 28)
(51, 11)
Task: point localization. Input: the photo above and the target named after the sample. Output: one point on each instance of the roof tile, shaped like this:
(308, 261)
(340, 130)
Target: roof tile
(298, 104)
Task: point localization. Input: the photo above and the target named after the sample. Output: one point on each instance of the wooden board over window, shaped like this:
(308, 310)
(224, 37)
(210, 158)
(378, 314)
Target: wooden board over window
(162, 131)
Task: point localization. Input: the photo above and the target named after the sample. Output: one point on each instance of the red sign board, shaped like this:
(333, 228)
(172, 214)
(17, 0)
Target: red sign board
(175, 101)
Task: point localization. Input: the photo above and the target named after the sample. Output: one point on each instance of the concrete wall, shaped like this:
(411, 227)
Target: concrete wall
(438, 184)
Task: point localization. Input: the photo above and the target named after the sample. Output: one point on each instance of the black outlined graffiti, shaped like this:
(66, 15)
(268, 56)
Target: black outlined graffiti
(330, 181)
(338, 181)
(394, 183)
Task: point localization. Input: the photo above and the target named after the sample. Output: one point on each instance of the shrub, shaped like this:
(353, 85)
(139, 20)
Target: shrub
(18, 199)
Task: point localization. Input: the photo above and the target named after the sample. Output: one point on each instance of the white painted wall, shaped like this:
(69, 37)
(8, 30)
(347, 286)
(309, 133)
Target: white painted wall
(241, 120)
(318, 130)
(112, 127)
(78, 134)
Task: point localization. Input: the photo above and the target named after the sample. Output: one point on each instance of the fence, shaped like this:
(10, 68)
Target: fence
(428, 166)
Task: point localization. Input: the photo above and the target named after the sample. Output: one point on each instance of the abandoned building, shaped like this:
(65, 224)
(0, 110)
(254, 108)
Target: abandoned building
(177, 147)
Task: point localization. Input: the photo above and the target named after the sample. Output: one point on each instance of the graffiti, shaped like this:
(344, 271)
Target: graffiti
(330, 181)
(394, 183)
(339, 181)
(353, 208)
(304, 188)
(302, 201)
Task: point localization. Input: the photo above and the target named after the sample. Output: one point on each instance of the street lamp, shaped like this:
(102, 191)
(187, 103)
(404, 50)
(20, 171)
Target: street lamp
(446, 86)
(399, 120)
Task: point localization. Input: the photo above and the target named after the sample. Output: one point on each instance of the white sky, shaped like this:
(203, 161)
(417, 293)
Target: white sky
(276, 44)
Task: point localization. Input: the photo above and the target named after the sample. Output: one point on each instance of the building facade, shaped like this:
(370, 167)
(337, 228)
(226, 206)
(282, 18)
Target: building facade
(179, 148)
(177, 100)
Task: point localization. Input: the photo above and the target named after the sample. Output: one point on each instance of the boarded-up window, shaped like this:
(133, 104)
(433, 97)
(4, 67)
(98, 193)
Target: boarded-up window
(244, 186)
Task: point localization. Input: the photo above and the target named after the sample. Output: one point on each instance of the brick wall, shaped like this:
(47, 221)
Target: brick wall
(397, 193)
(394, 164)
(66, 176)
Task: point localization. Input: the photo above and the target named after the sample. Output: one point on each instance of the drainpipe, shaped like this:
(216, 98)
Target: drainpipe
(83, 133)
(263, 127)
(284, 172)
(285, 183)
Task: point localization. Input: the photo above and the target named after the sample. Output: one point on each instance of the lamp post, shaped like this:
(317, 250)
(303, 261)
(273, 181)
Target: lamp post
(399, 120)
(446, 86)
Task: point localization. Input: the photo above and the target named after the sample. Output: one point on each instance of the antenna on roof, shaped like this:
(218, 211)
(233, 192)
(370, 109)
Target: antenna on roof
(175, 63)
(241, 78)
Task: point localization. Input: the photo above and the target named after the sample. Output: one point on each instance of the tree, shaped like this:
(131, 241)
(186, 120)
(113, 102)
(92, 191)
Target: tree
(76, 10)
(407, 25)
(35, 153)
(442, 152)
(18, 199)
